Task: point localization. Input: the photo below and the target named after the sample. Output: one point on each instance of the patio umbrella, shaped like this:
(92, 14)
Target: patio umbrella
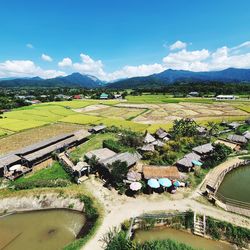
(165, 182)
(176, 183)
(135, 186)
(133, 176)
(15, 167)
(197, 163)
(153, 183)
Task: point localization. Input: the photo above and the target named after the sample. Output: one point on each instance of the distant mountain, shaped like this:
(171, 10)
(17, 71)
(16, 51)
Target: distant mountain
(156, 80)
(171, 76)
(73, 80)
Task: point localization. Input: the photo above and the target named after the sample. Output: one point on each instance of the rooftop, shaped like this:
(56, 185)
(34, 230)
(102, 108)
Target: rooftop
(160, 172)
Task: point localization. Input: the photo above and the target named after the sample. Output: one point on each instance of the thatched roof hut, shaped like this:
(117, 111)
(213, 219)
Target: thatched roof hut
(204, 149)
(247, 135)
(97, 129)
(158, 143)
(149, 138)
(129, 158)
(147, 148)
(157, 172)
(187, 161)
(237, 138)
(161, 133)
(100, 154)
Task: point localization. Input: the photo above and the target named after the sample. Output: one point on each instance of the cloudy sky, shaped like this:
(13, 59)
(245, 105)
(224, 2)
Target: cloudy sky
(116, 39)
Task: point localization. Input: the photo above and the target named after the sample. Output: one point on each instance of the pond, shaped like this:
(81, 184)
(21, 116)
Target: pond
(50, 229)
(194, 241)
(236, 184)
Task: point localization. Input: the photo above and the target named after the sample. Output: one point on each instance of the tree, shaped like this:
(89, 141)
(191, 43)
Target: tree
(118, 171)
(131, 139)
(213, 128)
(184, 127)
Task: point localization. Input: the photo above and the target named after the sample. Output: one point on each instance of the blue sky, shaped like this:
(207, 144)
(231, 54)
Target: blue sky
(114, 39)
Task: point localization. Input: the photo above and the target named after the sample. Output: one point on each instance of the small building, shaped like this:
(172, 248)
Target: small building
(161, 134)
(81, 169)
(187, 162)
(7, 161)
(233, 125)
(232, 145)
(77, 97)
(118, 96)
(147, 148)
(225, 97)
(100, 154)
(129, 158)
(104, 96)
(148, 138)
(237, 138)
(97, 129)
(204, 149)
(158, 143)
(193, 93)
(201, 130)
(246, 135)
(247, 121)
(157, 172)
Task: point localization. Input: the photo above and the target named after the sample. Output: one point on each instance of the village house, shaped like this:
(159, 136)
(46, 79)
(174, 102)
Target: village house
(201, 130)
(246, 134)
(97, 129)
(104, 96)
(204, 149)
(161, 134)
(188, 162)
(225, 97)
(233, 125)
(148, 138)
(240, 139)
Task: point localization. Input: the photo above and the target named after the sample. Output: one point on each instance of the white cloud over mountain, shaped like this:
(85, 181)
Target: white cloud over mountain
(178, 58)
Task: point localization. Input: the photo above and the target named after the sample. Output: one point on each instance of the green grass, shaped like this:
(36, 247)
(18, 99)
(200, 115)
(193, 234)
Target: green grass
(159, 99)
(95, 142)
(53, 172)
(82, 119)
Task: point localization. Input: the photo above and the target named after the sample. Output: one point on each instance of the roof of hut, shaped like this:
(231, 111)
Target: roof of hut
(100, 154)
(161, 133)
(148, 138)
(204, 149)
(127, 157)
(185, 162)
(193, 156)
(8, 160)
(237, 138)
(247, 135)
(147, 148)
(158, 143)
(98, 128)
(201, 129)
(160, 172)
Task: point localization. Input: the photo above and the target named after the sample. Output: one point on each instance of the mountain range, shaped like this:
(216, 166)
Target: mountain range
(166, 77)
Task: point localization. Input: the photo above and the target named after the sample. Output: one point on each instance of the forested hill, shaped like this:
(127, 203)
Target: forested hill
(175, 76)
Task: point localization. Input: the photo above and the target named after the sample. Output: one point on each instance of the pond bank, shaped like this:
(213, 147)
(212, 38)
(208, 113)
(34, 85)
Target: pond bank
(38, 202)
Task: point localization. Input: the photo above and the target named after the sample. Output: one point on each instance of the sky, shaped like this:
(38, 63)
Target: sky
(115, 39)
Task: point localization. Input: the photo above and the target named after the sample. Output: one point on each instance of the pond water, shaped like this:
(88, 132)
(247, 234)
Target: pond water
(236, 184)
(194, 241)
(40, 230)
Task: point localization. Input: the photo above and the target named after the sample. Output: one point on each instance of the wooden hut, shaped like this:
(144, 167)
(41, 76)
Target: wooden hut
(148, 138)
(240, 139)
(97, 129)
(100, 154)
(204, 149)
(186, 163)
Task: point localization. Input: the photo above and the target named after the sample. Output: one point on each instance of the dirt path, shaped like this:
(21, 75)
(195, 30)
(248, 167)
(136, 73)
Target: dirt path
(120, 208)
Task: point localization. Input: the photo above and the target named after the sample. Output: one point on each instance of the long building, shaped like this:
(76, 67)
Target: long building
(40, 152)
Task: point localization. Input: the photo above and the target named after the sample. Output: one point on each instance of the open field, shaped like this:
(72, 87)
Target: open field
(158, 99)
(120, 112)
(31, 136)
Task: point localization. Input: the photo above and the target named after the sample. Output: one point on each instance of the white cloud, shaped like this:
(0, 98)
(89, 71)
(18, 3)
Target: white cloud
(178, 45)
(46, 58)
(26, 68)
(30, 46)
(66, 62)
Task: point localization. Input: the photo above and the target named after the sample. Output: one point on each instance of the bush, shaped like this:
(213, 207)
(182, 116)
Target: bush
(113, 145)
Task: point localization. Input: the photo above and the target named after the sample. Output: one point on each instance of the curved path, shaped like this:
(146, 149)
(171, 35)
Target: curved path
(120, 208)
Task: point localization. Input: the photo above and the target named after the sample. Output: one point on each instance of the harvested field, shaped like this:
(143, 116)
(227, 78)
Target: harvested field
(116, 112)
(166, 113)
(25, 138)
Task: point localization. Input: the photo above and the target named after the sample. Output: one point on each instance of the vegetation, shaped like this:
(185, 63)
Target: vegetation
(117, 240)
(184, 128)
(53, 176)
(224, 230)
